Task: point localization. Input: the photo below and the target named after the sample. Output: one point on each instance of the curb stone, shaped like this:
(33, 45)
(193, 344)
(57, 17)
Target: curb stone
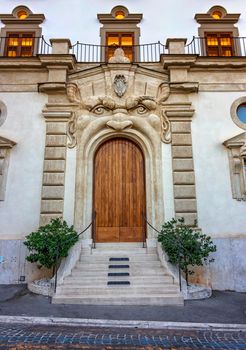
(58, 321)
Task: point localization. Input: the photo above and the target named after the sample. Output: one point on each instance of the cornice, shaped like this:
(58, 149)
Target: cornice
(6, 143)
(204, 18)
(31, 19)
(56, 115)
(236, 141)
(180, 60)
(53, 87)
(179, 111)
(130, 18)
(184, 87)
(20, 62)
(220, 62)
(66, 60)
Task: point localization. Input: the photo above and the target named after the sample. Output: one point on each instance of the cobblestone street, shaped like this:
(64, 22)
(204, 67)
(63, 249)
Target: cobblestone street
(60, 337)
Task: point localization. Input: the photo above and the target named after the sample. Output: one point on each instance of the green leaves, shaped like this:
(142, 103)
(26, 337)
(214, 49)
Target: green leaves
(185, 246)
(50, 243)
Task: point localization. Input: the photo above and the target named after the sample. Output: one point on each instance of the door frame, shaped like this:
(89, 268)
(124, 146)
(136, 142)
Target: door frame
(117, 137)
(88, 141)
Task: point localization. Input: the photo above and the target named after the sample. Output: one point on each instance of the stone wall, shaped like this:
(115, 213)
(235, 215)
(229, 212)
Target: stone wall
(13, 264)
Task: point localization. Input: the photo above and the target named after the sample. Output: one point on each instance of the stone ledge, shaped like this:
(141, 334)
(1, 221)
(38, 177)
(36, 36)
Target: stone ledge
(196, 291)
(43, 287)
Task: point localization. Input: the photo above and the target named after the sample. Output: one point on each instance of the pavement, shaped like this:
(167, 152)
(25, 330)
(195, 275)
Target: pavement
(222, 307)
(20, 336)
(26, 324)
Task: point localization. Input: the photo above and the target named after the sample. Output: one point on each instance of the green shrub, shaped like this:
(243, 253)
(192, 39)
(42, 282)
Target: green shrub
(50, 243)
(185, 246)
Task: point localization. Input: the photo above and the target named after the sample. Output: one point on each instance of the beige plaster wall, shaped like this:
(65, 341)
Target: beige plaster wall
(218, 213)
(19, 212)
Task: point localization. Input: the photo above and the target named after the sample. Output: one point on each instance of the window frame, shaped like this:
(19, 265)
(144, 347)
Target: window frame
(19, 47)
(119, 34)
(219, 35)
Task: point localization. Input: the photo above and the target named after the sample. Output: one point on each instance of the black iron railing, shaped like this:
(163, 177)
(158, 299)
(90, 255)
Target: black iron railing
(159, 232)
(24, 47)
(146, 53)
(59, 248)
(222, 47)
(99, 54)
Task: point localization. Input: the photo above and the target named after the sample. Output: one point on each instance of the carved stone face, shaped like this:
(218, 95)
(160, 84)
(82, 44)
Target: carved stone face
(119, 115)
(119, 102)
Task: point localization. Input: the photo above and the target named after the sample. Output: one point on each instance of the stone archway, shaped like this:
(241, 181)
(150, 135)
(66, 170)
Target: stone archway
(87, 147)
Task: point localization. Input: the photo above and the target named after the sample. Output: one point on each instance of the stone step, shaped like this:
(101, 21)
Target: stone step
(140, 271)
(119, 245)
(135, 286)
(103, 265)
(101, 279)
(133, 258)
(116, 290)
(162, 299)
(120, 251)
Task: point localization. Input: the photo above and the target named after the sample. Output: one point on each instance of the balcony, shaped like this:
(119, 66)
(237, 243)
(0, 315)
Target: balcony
(146, 53)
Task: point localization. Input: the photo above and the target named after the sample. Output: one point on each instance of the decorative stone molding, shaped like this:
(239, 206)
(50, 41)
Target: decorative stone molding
(224, 24)
(237, 162)
(5, 148)
(180, 117)
(119, 57)
(104, 113)
(31, 19)
(166, 135)
(226, 18)
(52, 199)
(3, 113)
(117, 100)
(234, 108)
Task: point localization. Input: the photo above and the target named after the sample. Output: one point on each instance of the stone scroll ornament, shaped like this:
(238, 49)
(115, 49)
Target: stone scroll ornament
(73, 95)
(242, 154)
(120, 85)
(166, 135)
(163, 94)
(71, 129)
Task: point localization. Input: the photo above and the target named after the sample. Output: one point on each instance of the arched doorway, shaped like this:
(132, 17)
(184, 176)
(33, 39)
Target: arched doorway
(119, 191)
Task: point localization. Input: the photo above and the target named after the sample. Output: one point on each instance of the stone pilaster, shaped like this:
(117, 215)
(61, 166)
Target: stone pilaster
(183, 167)
(52, 200)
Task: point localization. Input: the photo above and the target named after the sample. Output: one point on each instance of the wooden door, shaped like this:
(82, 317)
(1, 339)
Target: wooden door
(119, 192)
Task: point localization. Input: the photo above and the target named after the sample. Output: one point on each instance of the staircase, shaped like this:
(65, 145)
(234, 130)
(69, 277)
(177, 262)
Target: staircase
(119, 274)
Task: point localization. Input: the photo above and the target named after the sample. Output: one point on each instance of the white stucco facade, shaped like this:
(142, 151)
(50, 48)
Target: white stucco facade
(219, 214)
(19, 212)
(51, 119)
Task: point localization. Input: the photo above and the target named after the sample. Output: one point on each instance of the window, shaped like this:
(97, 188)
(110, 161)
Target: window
(120, 30)
(20, 32)
(22, 14)
(19, 44)
(219, 44)
(120, 15)
(123, 40)
(217, 14)
(218, 32)
(241, 113)
(238, 112)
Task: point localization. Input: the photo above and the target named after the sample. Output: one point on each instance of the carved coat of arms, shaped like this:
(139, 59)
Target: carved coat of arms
(120, 85)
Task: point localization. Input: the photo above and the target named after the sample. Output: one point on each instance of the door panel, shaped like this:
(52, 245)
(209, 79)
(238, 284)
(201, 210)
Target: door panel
(119, 192)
